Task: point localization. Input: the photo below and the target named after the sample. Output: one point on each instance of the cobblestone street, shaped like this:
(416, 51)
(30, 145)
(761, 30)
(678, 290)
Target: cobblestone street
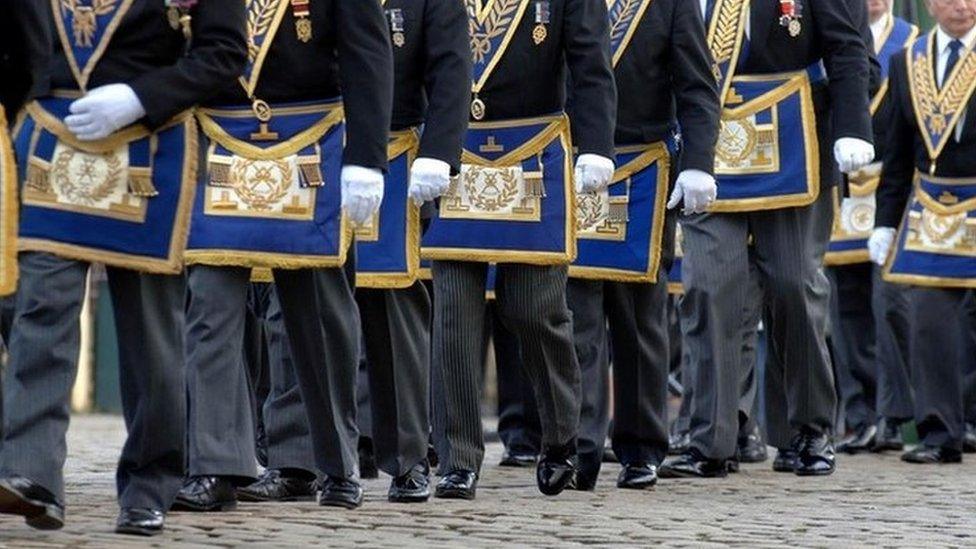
(872, 500)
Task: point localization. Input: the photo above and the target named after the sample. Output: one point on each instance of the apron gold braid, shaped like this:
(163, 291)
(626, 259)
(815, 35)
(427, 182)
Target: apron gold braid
(109, 161)
(928, 191)
(511, 204)
(794, 87)
(662, 68)
(303, 128)
(868, 345)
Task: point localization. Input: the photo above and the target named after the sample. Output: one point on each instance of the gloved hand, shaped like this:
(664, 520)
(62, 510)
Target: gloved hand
(104, 111)
(362, 192)
(879, 244)
(593, 173)
(852, 153)
(429, 179)
(697, 188)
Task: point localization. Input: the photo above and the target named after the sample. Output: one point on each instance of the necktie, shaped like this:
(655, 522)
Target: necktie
(709, 10)
(954, 48)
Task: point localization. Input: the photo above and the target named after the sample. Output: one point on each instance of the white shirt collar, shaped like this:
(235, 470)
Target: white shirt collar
(878, 28)
(942, 40)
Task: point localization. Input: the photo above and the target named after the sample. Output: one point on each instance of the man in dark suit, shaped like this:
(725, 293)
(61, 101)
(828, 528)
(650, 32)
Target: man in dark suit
(778, 220)
(522, 76)
(143, 78)
(662, 68)
(928, 164)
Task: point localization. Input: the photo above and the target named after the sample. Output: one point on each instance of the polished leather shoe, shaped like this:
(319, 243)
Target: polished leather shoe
(814, 454)
(785, 460)
(457, 484)
(556, 470)
(140, 522)
(512, 458)
(888, 436)
(22, 496)
(367, 459)
(932, 454)
(693, 464)
(341, 492)
(205, 494)
(751, 448)
(637, 476)
(861, 440)
(969, 439)
(412, 487)
(274, 485)
(679, 443)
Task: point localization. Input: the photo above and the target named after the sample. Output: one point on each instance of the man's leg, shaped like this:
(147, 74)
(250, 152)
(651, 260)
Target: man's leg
(256, 361)
(586, 302)
(896, 403)
(518, 415)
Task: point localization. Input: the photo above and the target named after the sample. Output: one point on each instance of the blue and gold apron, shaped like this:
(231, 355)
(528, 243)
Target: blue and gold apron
(512, 201)
(8, 211)
(388, 246)
(854, 214)
(619, 230)
(936, 244)
(124, 200)
(272, 197)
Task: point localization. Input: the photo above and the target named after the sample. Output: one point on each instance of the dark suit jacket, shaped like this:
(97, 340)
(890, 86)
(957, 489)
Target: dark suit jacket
(664, 78)
(530, 80)
(348, 55)
(881, 117)
(432, 73)
(905, 151)
(25, 51)
(150, 56)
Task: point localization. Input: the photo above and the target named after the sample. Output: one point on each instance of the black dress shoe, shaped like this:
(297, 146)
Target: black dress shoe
(274, 485)
(458, 484)
(367, 459)
(412, 487)
(888, 436)
(785, 460)
(637, 476)
(556, 470)
(693, 464)
(679, 443)
(969, 439)
(751, 448)
(341, 492)
(932, 454)
(206, 494)
(861, 440)
(513, 458)
(814, 454)
(24, 497)
(140, 522)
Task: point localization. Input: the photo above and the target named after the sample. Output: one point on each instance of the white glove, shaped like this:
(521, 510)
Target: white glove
(362, 192)
(104, 111)
(429, 178)
(697, 188)
(593, 173)
(879, 244)
(852, 153)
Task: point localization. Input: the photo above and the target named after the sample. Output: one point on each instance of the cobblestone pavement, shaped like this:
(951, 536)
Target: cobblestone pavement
(871, 500)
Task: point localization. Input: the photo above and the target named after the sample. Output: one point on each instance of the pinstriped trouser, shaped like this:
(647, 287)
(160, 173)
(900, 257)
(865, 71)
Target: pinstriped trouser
(787, 252)
(531, 302)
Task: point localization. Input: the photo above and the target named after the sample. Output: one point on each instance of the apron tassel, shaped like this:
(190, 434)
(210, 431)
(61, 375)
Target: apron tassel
(219, 172)
(37, 177)
(311, 171)
(140, 183)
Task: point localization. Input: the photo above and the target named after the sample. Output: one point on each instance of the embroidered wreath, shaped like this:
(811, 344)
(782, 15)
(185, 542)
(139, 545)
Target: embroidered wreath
(500, 189)
(85, 185)
(256, 184)
(589, 211)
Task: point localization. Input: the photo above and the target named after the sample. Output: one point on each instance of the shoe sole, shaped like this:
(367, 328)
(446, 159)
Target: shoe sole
(680, 474)
(191, 508)
(35, 513)
(344, 504)
(803, 473)
(133, 531)
(637, 486)
(288, 499)
(409, 499)
(454, 494)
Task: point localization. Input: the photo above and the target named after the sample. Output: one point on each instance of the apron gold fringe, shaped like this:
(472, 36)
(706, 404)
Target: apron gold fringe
(140, 183)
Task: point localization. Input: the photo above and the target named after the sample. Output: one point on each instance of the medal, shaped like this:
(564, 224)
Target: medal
(477, 108)
(788, 17)
(303, 26)
(542, 18)
(539, 34)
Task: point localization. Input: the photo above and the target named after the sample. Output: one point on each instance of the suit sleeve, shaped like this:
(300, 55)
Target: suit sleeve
(26, 40)
(593, 92)
(448, 81)
(216, 56)
(366, 76)
(846, 58)
(899, 157)
(695, 89)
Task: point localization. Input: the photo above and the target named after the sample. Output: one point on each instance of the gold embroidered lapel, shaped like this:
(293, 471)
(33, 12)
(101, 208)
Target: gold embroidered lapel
(625, 17)
(938, 111)
(492, 24)
(726, 32)
(881, 45)
(92, 27)
(263, 20)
